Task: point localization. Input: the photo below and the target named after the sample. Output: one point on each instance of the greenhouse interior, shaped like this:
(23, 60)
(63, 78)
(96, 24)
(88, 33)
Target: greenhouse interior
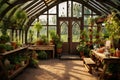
(59, 39)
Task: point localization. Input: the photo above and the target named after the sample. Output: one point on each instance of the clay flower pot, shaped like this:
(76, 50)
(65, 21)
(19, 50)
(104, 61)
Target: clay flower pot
(117, 53)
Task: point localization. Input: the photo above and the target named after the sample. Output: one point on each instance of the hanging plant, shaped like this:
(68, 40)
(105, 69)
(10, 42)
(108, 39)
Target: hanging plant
(18, 19)
(38, 26)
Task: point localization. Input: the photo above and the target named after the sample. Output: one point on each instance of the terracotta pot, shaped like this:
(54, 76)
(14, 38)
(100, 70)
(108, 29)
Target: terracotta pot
(2, 50)
(101, 50)
(17, 66)
(10, 72)
(81, 53)
(59, 50)
(39, 42)
(117, 53)
(14, 45)
(51, 42)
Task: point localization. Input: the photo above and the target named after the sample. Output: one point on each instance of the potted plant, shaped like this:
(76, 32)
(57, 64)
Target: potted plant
(38, 27)
(86, 51)
(81, 48)
(11, 69)
(52, 35)
(112, 51)
(9, 47)
(83, 35)
(4, 38)
(55, 38)
(44, 39)
(112, 24)
(2, 48)
(42, 55)
(59, 47)
(34, 62)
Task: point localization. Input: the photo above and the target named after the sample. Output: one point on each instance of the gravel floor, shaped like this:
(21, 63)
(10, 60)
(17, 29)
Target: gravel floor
(56, 69)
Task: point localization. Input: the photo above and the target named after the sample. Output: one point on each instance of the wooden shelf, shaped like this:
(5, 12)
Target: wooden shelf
(12, 51)
(16, 72)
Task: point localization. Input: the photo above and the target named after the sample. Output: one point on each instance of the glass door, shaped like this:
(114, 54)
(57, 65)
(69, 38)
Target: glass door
(69, 32)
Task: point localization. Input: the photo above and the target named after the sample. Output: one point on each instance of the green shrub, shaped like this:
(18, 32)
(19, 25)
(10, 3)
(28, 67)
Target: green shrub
(34, 62)
(4, 38)
(8, 47)
(2, 46)
(42, 55)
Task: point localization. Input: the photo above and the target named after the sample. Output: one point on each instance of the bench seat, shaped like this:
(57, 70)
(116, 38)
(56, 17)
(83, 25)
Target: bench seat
(89, 63)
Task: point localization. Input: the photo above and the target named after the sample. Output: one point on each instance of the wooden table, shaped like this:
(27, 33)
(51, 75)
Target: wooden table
(106, 60)
(43, 47)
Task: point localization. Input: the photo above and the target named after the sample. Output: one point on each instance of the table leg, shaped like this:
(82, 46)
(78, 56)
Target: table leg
(103, 73)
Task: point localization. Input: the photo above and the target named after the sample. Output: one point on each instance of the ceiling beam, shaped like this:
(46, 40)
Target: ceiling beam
(88, 6)
(35, 9)
(97, 7)
(33, 5)
(11, 6)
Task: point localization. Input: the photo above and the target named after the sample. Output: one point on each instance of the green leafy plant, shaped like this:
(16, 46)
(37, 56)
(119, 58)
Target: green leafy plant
(8, 47)
(86, 51)
(91, 21)
(42, 55)
(2, 46)
(38, 27)
(113, 27)
(34, 62)
(44, 39)
(4, 38)
(59, 44)
(81, 47)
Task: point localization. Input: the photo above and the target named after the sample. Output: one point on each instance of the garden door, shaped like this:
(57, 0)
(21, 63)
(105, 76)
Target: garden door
(69, 32)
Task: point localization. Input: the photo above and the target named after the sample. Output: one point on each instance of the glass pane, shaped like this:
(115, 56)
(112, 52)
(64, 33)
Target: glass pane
(52, 10)
(87, 11)
(44, 31)
(52, 19)
(77, 9)
(76, 32)
(63, 9)
(45, 12)
(43, 19)
(64, 31)
(86, 17)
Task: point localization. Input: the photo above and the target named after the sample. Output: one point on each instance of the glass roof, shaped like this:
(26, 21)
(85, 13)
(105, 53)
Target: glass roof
(34, 8)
